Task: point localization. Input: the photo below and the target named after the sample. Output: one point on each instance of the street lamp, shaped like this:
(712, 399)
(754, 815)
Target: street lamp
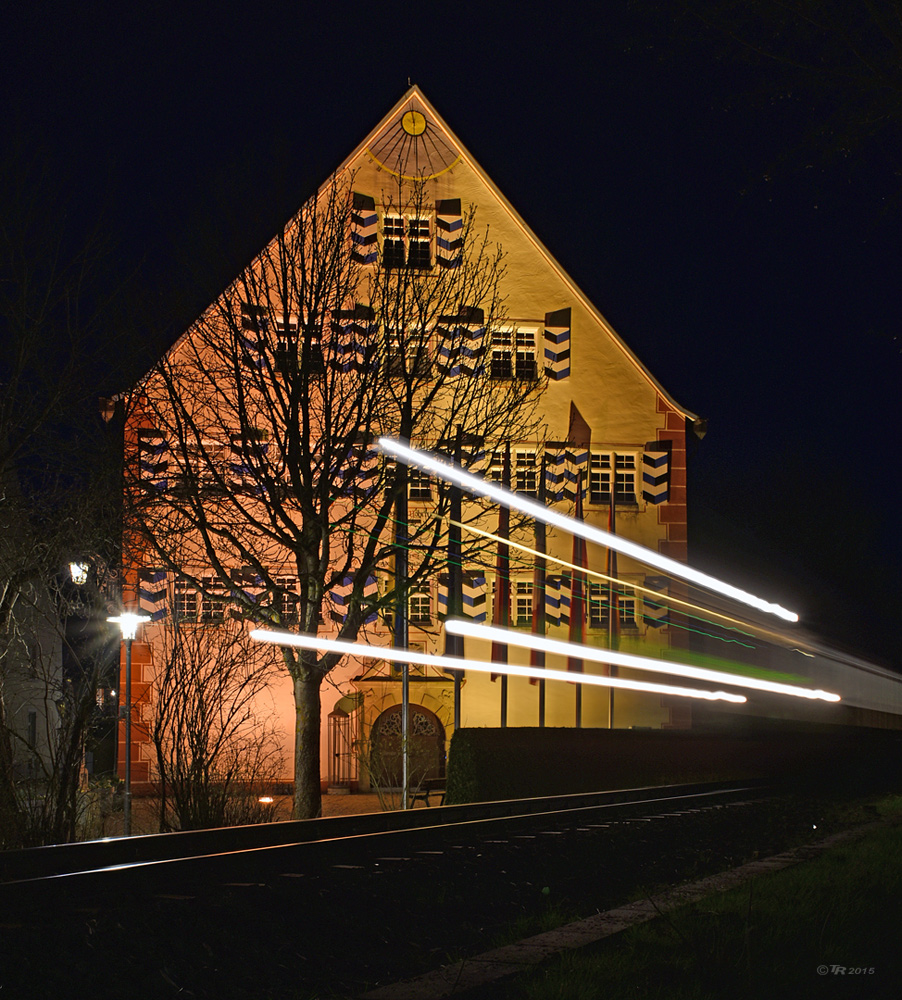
(128, 623)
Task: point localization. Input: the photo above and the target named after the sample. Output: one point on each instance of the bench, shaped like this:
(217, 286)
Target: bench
(428, 789)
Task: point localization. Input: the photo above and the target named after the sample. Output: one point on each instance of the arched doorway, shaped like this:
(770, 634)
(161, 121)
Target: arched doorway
(427, 748)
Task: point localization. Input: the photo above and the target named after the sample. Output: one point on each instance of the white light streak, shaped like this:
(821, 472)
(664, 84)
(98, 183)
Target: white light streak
(474, 484)
(596, 654)
(453, 663)
(657, 594)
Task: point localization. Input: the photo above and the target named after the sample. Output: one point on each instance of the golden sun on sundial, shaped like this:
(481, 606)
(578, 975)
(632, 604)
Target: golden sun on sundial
(413, 148)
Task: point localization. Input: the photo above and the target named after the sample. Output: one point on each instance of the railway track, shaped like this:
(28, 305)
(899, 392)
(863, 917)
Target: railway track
(126, 857)
(357, 900)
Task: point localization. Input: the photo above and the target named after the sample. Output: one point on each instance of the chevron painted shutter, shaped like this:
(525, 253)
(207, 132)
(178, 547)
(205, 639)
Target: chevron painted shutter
(370, 590)
(654, 612)
(354, 338)
(254, 321)
(557, 600)
(359, 473)
(247, 584)
(364, 229)
(366, 467)
(152, 593)
(555, 462)
(566, 471)
(461, 343)
(474, 593)
(449, 227)
(576, 472)
(340, 596)
(152, 461)
(656, 471)
(557, 344)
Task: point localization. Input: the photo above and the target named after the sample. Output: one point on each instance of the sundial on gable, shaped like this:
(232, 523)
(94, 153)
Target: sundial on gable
(413, 146)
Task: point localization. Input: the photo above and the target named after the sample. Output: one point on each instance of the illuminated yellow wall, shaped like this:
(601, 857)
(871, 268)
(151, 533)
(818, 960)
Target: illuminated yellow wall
(619, 399)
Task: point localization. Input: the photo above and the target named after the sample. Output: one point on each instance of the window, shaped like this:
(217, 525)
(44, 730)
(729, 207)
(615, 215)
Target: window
(525, 343)
(523, 603)
(599, 479)
(419, 245)
(514, 353)
(526, 473)
(625, 478)
(419, 485)
(212, 600)
(626, 602)
(406, 241)
(419, 608)
(248, 458)
(599, 605)
(393, 241)
(286, 333)
(207, 458)
(502, 353)
(601, 467)
(495, 470)
(524, 470)
(395, 350)
(288, 599)
(309, 345)
(185, 601)
(407, 353)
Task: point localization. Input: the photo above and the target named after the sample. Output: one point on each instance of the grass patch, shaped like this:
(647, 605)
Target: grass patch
(768, 938)
(552, 916)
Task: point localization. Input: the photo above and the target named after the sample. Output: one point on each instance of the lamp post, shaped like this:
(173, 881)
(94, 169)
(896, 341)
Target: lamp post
(128, 623)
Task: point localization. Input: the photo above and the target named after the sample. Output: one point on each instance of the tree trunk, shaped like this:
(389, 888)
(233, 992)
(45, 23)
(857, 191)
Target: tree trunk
(307, 795)
(10, 816)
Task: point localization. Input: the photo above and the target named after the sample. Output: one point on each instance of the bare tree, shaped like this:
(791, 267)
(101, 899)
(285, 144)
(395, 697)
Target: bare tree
(58, 499)
(268, 409)
(216, 746)
(54, 656)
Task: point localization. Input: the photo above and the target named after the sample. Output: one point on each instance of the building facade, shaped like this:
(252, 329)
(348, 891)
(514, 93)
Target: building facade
(600, 438)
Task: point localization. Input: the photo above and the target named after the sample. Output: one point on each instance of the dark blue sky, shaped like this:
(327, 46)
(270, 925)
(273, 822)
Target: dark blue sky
(755, 276)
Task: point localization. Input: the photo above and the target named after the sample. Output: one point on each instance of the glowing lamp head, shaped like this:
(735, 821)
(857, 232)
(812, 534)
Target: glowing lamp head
(128, 623)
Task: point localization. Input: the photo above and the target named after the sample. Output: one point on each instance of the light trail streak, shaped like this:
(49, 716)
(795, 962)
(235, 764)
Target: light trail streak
(705, 613)
(596, 654)
(738, 623)
(474, 484)
(453, 663)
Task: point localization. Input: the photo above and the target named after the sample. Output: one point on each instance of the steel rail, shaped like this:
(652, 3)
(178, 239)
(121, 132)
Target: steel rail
(157, 851)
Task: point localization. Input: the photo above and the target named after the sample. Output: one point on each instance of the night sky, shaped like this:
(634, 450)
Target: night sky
(753, 270)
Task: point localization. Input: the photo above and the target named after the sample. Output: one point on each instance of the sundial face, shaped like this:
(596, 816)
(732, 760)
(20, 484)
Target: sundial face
(413, 147)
